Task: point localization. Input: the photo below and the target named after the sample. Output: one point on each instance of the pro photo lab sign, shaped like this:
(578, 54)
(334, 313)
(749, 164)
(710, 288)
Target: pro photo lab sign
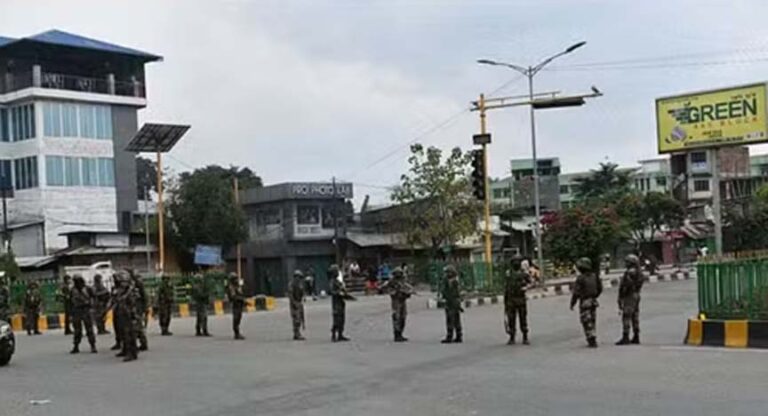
(725, 117)
(321, 190)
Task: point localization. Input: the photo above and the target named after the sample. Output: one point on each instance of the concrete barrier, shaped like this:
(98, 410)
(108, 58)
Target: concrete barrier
(727, 333)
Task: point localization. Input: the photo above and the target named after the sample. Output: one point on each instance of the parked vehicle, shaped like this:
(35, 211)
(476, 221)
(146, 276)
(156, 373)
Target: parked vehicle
(103, 268)
(7, 343)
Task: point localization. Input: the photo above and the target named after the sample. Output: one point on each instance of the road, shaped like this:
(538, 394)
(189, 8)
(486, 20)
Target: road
(268, 374)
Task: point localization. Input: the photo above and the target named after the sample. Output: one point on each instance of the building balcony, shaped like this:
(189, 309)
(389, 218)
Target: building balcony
(38, 78)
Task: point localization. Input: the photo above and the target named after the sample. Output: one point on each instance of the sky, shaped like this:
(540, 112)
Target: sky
(310, 90)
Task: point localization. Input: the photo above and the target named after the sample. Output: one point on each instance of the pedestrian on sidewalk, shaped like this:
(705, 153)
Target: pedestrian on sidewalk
(453, 309)
(586, 290)
(515, 303)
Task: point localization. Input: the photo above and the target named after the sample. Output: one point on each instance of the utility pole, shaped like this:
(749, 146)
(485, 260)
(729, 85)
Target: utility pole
(486, 187)
(160, 214)
(716, 204)
(146, 229)
(536, 201)
(236, 186)
(336, 224)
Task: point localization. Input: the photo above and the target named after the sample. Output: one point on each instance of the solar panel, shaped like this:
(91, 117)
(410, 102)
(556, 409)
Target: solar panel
(156, 137)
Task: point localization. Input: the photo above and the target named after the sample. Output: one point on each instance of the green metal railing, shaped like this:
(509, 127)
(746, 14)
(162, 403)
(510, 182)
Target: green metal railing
(472, 276)
(734, 289)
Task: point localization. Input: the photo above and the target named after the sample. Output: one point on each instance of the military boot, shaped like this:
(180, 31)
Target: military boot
(525, 339)
(635, 339)
(624, 340)
(592, 342)
(399, 337)
(116, 347)
(75, 350)
(459, 338)
(93, 349)
(333, 336)
(238, 336)
(129, 358)
(341, 337)
(511, 340)
(298, 337)
(448, 338)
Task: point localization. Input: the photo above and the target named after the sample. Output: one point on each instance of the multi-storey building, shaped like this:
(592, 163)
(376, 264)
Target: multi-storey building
(68, 107)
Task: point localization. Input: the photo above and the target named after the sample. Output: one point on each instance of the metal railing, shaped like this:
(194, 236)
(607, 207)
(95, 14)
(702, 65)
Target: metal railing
(733, 288)
(57, 81)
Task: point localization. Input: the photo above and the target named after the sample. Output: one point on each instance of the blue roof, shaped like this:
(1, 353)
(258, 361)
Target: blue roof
(58, 37)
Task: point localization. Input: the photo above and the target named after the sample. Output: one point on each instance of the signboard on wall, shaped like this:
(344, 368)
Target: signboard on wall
(321, 190)
(724, 117)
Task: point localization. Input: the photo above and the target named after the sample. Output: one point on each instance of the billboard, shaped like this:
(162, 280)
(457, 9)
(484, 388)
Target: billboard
(725, 117)
(208, 255)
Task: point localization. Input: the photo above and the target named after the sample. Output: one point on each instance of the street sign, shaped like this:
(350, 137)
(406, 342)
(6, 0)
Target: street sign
(725, 117)
(481, 139)
(208, 255)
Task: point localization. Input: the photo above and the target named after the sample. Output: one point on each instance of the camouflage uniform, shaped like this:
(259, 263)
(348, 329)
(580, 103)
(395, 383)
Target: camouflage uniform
(237, 302)
(399, 291)
(32, 302)
(117, 324)
(64, 297)
(202, 297)
(338, 303)
(586, 290)
(453, 309)
(142, 308)
(296, 303)
(165, 304)
(5, 301)
(100, 301)
(125, 307)
(80, 296)
(515, 302)
(629, 300)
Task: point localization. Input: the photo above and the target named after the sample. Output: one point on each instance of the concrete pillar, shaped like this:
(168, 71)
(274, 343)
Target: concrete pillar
(37, 76)
(111, 84)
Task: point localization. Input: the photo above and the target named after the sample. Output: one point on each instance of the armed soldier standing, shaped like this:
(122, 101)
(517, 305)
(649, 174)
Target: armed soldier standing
(165, 304)
(399, 291)
(201, 294)
(453, 309)
(237, 301)
(586, 290)
(5, 300)
(629, 300)
(515, 303)
(81, 314)
(64, 297)
(125, 311)
(339, 297)
(32, 302)
(100, 301)
(117, 324)
(142, 305)
(296, 303)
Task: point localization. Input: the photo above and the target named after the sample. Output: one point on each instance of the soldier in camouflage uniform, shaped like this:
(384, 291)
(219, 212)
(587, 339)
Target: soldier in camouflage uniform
(339, 297)
(117, 324)
(100, 300)
(32, 302)
(399, 291)
(586, 290)
(237, 302)
(126, 312)
(629, 300)
(142, 310)
(5, 300)
(296, 303)
(453, 309)
(63, 297)
(165, 304)
(515, 303)
(80, 297)
(201, 294)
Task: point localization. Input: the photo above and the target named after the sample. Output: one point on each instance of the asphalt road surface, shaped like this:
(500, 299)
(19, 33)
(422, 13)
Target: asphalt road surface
(269, 374)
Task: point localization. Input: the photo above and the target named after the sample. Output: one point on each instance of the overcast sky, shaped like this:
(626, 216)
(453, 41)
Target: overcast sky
(307, 90)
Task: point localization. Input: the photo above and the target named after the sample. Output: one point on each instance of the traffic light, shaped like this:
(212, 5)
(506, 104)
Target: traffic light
(478, 174)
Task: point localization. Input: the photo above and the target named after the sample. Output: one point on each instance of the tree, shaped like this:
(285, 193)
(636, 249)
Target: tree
(438, 208)
(146, 177)
(647, 214)
(761, 197)
(246, 178)
(203, 211)
(582, 231)
(607, 184)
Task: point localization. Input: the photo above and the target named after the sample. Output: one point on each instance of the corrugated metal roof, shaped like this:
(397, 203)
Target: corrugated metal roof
(58, 37)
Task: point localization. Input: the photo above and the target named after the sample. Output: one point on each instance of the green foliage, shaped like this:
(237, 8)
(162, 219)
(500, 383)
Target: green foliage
(9, 266)
(582, 231)
(146, 177)
(761, 197)
(646, 214)
(745, 229)
(202, 208)
(606, 184)
(438, 208)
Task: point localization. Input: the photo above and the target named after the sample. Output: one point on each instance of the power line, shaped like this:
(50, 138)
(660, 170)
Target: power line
(610, 67)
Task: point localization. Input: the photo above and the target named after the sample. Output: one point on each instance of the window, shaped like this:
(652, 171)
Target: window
(661, 181)
(5, 134)
(20, 122)
(698, 157)
(5, 174)
(25, 172)
(497, 193)
(307, 214)
(77, 120)
(90, 169)
(72, 171)
(701, 185)
(563, 189)
(106, 172)
(54, 170)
